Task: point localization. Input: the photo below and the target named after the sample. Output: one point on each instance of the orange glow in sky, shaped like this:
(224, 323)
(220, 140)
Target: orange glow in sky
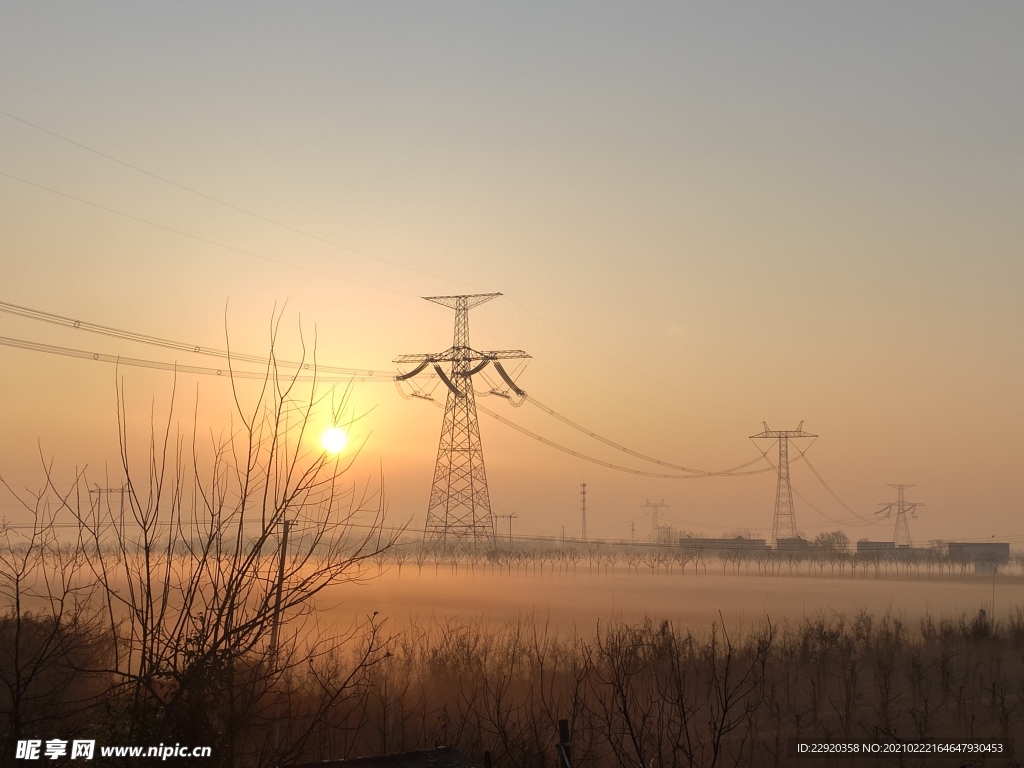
(700, 216)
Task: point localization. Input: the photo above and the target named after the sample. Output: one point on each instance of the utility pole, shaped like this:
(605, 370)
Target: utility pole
(652, 508)
(784, 523)
(583, 497)
(901, 536)
(275, 628)
(459, 509)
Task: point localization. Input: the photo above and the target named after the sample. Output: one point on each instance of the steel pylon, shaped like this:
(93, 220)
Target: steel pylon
(901, 535)
(784, 523)
(459, 509)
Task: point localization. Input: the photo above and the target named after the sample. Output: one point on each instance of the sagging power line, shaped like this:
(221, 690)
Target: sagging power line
(288, 227)
(360, 375)
(180, 346)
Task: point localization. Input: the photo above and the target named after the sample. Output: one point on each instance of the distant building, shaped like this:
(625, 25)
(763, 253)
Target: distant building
(736, 544)
(865, 546)
(893, 551)
(986, 556)
(793, 543)
(915, 551)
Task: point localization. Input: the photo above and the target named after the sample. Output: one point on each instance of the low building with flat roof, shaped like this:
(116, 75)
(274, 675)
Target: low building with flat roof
(793, 543)
(735, 544)
(986, 556)
(866, 546)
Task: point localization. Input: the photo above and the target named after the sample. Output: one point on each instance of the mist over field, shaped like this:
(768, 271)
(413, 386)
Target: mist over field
(568, 602)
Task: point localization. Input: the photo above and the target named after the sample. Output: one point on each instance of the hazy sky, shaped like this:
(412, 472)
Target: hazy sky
(702, 216)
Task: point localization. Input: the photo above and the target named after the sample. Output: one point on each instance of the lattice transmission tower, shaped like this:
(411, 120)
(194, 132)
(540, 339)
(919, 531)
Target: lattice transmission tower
(784, 524)
(902, 507)
(653, 508)
(459, 510)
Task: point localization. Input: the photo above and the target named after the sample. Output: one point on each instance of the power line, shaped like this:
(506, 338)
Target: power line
(347, 374)
(350, 374)
(846, 506)
(228, 372)
(624, 398)
(318, 238)
(226, 204)
(805, 500)
(696, 474)
(623, 365)
(117, 333)
(631, 452)
(607, 464)
(202, 239)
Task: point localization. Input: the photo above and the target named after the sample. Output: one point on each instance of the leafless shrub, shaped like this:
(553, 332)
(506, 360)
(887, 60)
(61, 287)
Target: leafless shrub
(191, 597)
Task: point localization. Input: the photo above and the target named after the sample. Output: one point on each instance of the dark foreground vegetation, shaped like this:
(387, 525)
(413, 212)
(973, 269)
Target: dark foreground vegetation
(635, 695)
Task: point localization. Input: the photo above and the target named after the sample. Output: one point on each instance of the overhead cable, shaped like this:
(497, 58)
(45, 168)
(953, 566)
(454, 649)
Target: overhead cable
(846, 506)
(607, 464)
(226, 204)
(805, 500)
(232, 248)
(227, 372)
(305, 233)
(156, 341)
(631, 452)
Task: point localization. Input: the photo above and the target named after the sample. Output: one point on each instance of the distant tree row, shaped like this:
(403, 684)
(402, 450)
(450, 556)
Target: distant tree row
(829, 554)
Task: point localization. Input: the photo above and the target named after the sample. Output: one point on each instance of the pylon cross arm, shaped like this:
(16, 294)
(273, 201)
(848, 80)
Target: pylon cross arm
(464, 353)
(463, 302)
(504, 354)
(428, 358)
(459, 508)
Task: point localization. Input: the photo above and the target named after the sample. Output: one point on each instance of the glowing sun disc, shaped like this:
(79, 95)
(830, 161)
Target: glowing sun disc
(334, 440)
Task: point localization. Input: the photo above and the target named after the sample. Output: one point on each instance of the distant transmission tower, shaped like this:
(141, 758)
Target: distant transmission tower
(510, 518)
(784, 525)
(459, 509)
(583, 501)
(653, 507)
(901, 536)
(122, 492)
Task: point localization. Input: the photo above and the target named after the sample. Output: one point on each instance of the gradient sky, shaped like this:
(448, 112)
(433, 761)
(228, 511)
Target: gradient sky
(702, 216)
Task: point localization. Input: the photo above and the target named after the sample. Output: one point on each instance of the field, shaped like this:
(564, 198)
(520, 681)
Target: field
(578, 601)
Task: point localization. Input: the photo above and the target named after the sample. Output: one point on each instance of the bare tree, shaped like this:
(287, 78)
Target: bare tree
(50, 632)
(207, 572)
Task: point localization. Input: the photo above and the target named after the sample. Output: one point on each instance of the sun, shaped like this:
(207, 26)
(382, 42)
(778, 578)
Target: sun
(334, 440)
